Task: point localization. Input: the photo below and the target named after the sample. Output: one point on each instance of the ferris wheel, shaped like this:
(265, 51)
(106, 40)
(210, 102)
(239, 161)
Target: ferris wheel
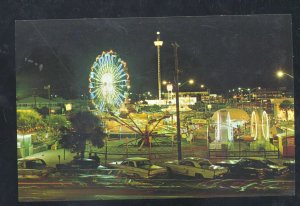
(108, 82)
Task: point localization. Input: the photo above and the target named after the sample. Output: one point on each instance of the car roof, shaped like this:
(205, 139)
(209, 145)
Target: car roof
(195, 159)
(136, 158)
(29, 159)
(84, 160)
(253, 158)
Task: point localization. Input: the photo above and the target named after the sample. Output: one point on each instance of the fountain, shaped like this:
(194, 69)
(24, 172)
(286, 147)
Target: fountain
(260, 127)
(224, 129)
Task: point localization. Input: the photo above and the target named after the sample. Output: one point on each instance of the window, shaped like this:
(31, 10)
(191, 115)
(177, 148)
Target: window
(131, 164)
(187, 163)
(124, 163)
(205, 164)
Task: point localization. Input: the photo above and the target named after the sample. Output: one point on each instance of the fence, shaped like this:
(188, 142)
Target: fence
(216, 153)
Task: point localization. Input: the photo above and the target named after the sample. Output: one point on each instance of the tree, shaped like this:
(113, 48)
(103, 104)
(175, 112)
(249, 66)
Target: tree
(198, 106)
(286, 105)
(44, 111)
(28, 121)
(84, 126)
(57, 125)
(151, 108)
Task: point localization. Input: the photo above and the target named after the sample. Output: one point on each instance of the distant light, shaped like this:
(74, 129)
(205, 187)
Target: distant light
(164, 82)
(280, 73)
(169, 87)
(258, 88)
(68, 107)
(202, 86)
(248, 89)
(179, 83)
(191, 81)
(158, 32)
(239, 88)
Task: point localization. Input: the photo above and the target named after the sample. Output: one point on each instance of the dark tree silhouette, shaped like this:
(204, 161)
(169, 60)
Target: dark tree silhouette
(286, 105)
(85, 126)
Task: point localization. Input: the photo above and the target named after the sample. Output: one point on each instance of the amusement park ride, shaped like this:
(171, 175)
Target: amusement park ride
(108, 86)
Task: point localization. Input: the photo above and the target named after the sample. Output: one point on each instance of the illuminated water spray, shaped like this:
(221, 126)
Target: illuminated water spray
(108, 81)
(254, 126)
(265, 127)
(224, 129)
(260, 127)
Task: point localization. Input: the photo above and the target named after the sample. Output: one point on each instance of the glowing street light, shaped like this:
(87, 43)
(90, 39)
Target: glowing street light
(158, 43)
(190, 81)
(280, 74)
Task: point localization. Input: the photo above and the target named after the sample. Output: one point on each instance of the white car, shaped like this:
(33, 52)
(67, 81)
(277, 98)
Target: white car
(32, 167)
(138, 167)
(195, 167)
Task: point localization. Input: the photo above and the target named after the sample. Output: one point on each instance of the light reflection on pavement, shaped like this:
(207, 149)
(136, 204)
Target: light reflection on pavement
(94, 187)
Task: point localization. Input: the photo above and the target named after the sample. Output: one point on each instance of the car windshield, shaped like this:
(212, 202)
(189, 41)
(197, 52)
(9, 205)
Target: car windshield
(145, 163)
(35, 164)
(269, 162)
(204, 163)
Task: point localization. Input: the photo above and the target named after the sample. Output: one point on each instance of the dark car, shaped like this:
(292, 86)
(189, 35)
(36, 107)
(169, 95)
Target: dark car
(78, 164)
(253, 168)
(291, 166)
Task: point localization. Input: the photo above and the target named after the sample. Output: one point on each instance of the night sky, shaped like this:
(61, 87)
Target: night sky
(222, 52)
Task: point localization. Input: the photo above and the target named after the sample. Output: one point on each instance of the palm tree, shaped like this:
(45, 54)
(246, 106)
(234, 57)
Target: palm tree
(286, 105)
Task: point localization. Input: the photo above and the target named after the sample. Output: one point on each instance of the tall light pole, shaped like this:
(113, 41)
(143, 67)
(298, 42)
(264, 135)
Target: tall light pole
(175, 45)
(158, 44)
(280, 74)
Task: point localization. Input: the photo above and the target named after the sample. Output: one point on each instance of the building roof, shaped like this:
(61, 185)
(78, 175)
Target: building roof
(235, 114)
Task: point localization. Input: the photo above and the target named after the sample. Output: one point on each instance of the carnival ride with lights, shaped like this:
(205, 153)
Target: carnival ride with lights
(108, 87)
(108, 82)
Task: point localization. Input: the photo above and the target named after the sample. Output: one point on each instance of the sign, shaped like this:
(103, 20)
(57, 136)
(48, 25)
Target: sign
(291, 141)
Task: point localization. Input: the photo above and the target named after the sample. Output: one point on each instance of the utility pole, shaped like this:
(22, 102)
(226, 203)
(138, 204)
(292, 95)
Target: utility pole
(34, 93)
(175, 45)
(158, 44)
(48, 88)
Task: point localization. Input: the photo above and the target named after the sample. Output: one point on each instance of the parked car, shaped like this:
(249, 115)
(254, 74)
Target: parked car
(195, 167)
(79, 164)
(33, 167)
(290, 165)
(253, 168)
(138, 167)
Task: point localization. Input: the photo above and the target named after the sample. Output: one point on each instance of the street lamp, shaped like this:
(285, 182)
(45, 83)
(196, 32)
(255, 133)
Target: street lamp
(175, 46)
(190, 81)
(48, 87)
(280, 74)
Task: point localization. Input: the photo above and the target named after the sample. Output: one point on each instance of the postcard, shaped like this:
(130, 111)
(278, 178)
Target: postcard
(155, 108)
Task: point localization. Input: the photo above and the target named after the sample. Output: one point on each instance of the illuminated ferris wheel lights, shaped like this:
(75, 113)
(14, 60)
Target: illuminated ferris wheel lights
(108, 81)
